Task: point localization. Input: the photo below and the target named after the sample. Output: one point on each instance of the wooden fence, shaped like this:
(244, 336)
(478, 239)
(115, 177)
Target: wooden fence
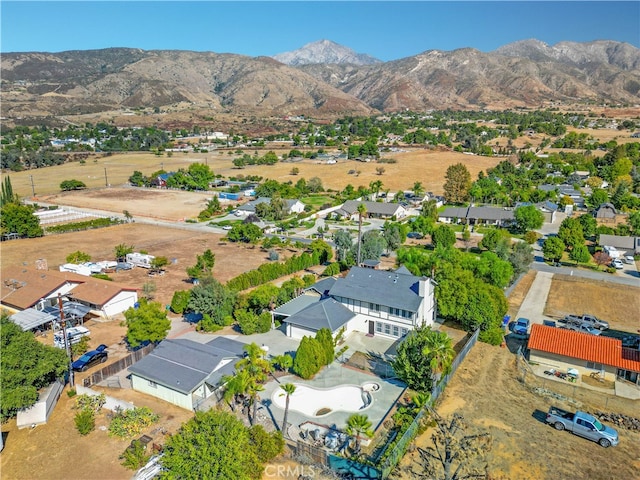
(118, 366)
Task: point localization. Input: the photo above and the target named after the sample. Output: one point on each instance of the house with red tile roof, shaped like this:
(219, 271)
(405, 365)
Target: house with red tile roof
(24, 288)
(562, 349)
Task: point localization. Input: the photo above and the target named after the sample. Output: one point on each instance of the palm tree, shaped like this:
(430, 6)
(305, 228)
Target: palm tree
(362, 211)
(418, 189)
(254, 388)
(288, 388)
(235, 385)
(359, 425)
(440, 349)
(375, 187)
(255, 363)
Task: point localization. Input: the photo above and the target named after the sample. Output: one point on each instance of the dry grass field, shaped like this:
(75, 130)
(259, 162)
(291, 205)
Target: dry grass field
(178, 245)
(426, 166)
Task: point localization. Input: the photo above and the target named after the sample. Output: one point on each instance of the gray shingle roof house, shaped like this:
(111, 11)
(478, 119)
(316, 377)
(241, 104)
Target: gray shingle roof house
(377, 302)
(184, 372)
(477, 216)
(374, 209)
(629, 245)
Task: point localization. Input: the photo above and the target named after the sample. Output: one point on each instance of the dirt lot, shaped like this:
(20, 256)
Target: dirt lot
(178, 245)
(619, 305)
(57, 451)
(487, 391)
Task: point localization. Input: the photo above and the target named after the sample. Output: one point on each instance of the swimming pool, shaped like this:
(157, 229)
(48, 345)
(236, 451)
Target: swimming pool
(318, 402)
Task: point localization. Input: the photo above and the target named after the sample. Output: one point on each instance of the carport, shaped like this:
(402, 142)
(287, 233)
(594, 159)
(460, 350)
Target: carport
(31, 319)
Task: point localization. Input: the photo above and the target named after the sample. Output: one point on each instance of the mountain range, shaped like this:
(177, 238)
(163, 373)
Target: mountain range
(322, 80)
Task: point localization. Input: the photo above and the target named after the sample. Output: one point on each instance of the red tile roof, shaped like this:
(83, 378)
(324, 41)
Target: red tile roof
(592, 348)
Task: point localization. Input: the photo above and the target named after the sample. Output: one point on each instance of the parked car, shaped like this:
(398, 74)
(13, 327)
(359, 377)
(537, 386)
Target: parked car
(521, 326)
(549, 323)
(227, 227)
(89, 359)
(629, 259)
(617, 264)
(417, 235)
(585, 319)
(582, 327)
(582, 424)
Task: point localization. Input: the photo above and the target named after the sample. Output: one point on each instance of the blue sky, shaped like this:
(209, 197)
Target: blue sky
(383, 29)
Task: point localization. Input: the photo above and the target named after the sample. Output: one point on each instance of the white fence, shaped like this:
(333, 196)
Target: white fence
(63, 215)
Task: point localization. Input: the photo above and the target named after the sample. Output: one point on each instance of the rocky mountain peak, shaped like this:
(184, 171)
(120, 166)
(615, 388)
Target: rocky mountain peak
(325, 52)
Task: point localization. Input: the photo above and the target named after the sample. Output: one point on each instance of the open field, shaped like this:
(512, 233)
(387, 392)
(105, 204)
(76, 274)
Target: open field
(619, 305)
(426, 166)
(178, 245)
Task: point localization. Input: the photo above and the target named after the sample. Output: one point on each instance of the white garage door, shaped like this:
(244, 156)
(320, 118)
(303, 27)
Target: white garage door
(299, 332)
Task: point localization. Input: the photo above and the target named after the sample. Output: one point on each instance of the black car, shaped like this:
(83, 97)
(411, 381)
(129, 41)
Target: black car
(89, 359)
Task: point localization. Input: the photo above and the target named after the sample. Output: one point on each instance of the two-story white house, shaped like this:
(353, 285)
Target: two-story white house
(377, 302)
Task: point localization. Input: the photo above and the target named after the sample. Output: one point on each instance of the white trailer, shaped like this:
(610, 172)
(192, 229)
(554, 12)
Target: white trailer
(140, 259)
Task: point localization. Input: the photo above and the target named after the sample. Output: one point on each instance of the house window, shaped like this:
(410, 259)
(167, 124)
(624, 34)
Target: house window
(387, 329)
(378, 327)
(153, 384)
(374, 306)
(395, 331)
(404, 331)
(594, 366)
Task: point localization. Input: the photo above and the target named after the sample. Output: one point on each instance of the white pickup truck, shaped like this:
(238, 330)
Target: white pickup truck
(582, 424)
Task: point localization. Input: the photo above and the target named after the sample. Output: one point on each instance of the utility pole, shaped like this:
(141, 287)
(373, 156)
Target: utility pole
(106, 182)
(33, 188)
(67, 346)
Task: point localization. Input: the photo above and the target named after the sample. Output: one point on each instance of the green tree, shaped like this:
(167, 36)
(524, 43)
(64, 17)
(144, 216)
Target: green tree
(308, 358)
(553, 248)
(429, 209)
(121, 251)
(282, 362)
(325, 339)
(200, 175)
(158, 263)
(180, 300)
(634, 222)
(78, 257)
(422, 355)
(457, 184)
(359, 425)
(528, 218)
(344, 243)
(267, 445)
(204, 265)
(6, 193)
(597, 198)
(362, 211)
(16, 218)
(244, 232)
(392, 235)
(521, 257)
(493, 238)
(289, 389)
(214, 445)
(26, 365)
(67, 185)
(580, 254)
(589, 225)
(372, 245)
(444, 237)
(570, 232)
(214, 300)
(148, 322)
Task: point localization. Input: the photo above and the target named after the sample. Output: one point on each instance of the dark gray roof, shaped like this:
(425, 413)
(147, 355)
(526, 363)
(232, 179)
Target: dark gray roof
(370, 262)
(393, 289)
(375, 208)
(296, 305)
(31, 318)
(480, 213)
(183, 365)
(403, 270)
(618, 241)
(323, 286)
(228, 345)
(324, 314)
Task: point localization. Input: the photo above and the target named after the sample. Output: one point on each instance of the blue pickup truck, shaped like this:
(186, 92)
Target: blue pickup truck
(582, 424)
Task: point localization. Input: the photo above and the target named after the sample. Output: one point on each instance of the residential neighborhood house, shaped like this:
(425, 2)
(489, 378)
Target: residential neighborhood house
(375, 302)
(500, 217)
(626, 244)
(374, 210)
(186, 373)
(291, 206)
(562, 349)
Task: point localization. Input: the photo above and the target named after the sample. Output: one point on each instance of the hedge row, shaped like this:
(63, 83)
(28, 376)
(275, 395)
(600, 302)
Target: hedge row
(270, 271)
(86, 225)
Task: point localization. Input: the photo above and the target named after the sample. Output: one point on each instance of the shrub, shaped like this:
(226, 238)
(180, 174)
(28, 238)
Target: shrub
(267, 445)
(129, 423)
(531, 237)
(492, 336)
(274, 256)
(180, 301)
(71, 393)
(134, 457)
(309, 358)
(85, 421)
(81, 347)
(331, 270)
(102, 276)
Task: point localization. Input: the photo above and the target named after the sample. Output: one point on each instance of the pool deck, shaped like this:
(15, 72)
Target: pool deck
(332, 376)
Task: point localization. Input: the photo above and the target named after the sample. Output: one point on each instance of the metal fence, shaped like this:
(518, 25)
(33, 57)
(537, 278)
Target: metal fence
(118, 366)
(354, 469)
